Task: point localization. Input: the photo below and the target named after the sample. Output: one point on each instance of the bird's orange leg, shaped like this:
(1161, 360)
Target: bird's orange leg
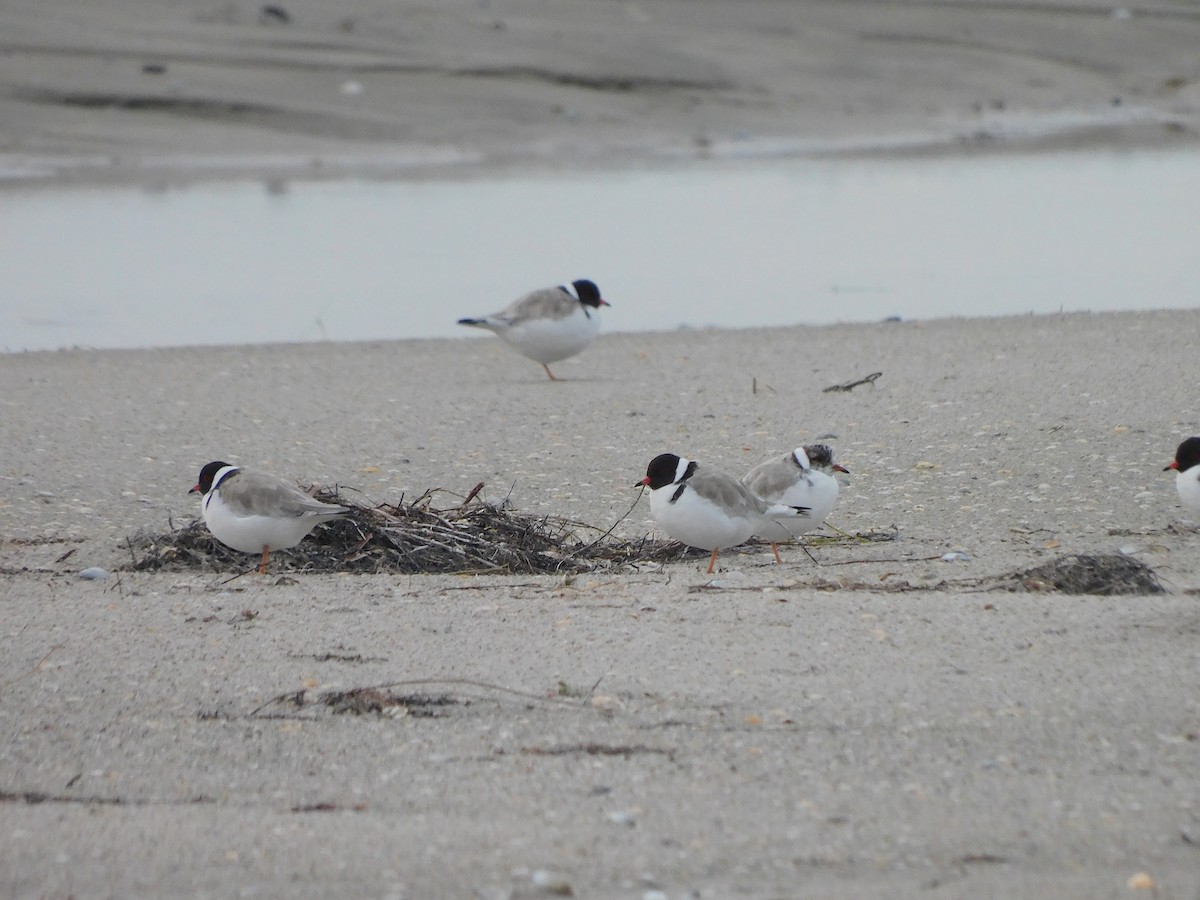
(262, 568)
(548, 372)
(713, 561)
(775, 550)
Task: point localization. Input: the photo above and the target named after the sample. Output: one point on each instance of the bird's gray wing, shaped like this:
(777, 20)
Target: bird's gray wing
(258, 494)
(771, 479)
(548, 303)
(728, 493)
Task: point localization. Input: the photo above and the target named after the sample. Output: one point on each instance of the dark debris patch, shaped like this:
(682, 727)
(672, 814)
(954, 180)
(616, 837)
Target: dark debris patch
(594, 749)
(361, 701)
(338, 657)
(327, 806)
(1106, 575)
(413, 538)
(372, 701)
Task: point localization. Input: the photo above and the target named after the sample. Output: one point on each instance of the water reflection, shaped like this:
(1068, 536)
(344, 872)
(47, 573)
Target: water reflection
(750, 244)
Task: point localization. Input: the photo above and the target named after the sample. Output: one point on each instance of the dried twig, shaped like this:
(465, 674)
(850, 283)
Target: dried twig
(851, 385)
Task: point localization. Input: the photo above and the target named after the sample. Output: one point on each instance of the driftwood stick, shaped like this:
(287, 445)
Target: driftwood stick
(851, 385)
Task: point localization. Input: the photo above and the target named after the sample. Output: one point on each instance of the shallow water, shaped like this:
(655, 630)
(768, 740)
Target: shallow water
(731, 245)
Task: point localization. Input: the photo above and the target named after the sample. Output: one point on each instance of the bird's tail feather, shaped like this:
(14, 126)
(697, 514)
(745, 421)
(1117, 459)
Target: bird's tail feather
(783, 511)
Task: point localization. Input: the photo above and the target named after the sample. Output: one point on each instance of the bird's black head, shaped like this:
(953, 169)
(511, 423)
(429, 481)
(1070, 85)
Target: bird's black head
(207, 474)
(588, 293)
(667, 468)
(1186, 455)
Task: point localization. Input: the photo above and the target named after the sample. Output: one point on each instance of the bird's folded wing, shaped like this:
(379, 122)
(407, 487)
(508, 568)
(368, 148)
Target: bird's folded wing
(252, 494)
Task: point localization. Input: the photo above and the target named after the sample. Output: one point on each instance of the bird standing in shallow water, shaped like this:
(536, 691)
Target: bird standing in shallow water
(256, 513)
(549, 324)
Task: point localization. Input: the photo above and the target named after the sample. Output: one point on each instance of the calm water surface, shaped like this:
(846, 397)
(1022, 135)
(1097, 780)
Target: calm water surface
(764, 243)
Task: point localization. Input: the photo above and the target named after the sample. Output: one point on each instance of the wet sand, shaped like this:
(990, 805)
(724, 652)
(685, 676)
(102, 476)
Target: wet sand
(135, 90)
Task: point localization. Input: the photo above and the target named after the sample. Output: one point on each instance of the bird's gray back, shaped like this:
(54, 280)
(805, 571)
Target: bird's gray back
(547, 303)
(727, 492)
(770, 479)
(259, 494)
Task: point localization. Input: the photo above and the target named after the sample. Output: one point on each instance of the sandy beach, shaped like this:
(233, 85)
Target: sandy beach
(879, 723)
(135, 90)
(915, 717)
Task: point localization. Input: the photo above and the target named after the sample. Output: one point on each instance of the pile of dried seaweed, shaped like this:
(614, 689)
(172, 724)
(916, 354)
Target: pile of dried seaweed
(470, 537)
(1105, 575)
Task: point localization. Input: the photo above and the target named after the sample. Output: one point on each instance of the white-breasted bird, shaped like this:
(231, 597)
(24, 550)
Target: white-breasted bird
(548, 324)
(1187, 474)
(804, 477)
(252, 512)
(708, 509)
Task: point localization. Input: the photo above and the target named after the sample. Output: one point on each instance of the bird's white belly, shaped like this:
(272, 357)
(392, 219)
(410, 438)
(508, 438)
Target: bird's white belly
(249, 534)
(1188, 485)
(698, 522)
(549, 340)
(819, 496)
